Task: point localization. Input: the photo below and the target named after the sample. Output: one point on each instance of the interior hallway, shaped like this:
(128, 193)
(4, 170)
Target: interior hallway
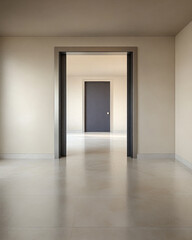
(95, 194)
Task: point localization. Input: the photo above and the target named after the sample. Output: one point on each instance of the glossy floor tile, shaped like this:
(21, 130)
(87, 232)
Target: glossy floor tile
(95, 193)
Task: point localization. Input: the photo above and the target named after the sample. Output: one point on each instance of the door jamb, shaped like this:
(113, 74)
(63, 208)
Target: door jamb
(63, 50)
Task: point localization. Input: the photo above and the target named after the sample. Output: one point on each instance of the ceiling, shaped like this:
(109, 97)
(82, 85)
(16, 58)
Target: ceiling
(87, 18)
(97, 65)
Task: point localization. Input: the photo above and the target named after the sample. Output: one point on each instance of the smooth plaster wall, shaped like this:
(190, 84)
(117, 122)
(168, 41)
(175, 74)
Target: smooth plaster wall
(75, 102)
(183, 66)
(27, 91)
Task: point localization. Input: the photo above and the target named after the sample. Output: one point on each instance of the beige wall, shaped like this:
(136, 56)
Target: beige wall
(27, 91)
(183, 76)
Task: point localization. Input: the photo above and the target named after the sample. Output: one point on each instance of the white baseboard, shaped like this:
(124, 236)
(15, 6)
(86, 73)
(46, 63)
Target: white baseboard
(75, 131)
(115, 132)
(143, 156)
(183, 161)
(120, 132)
(26, 156)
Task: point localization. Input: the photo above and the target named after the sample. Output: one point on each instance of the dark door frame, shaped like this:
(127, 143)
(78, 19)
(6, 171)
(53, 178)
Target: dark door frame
(60, 95)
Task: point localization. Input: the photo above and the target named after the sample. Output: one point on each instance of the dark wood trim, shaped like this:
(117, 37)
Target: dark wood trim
(85, 106)
(130, 104)
(62, 105)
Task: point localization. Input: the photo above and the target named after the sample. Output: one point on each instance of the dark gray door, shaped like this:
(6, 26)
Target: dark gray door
(97, 106)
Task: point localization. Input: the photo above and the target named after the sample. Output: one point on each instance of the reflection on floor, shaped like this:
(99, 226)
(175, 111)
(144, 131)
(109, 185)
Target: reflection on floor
(95, 194)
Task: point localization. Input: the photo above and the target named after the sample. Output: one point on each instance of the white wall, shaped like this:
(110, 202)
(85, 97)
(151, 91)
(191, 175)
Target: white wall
(27, 91)
(183, 66)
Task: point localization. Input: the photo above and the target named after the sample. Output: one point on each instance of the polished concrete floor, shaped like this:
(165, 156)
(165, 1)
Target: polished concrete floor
(95, 194)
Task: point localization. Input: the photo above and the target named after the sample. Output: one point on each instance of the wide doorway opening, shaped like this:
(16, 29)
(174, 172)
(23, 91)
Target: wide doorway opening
(99, 105)
(96, 103)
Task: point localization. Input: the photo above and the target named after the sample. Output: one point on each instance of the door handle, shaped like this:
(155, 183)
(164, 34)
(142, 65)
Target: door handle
(107, 113)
